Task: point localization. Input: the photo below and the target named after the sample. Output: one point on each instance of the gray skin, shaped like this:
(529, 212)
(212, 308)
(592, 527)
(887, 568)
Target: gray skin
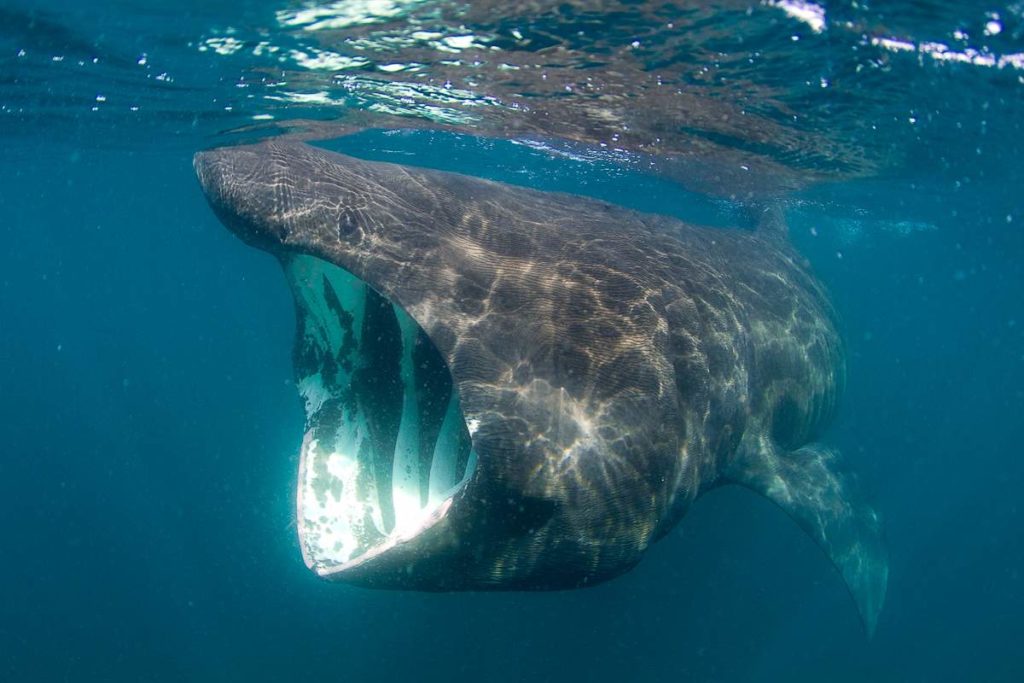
(617, 364)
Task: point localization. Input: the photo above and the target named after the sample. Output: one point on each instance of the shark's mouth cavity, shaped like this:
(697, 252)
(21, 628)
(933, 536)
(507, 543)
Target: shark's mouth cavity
(386, 445)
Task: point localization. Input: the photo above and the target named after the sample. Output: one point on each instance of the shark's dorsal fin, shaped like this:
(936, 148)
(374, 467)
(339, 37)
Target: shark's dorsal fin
(808, 486)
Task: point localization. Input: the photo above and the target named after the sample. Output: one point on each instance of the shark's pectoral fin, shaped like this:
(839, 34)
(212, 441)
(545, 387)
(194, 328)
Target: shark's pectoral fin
(824, 502)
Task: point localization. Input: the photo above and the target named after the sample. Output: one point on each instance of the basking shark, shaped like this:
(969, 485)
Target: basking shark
(514, 389)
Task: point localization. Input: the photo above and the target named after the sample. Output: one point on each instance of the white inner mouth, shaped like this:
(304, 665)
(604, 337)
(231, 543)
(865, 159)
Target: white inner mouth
(386, 443)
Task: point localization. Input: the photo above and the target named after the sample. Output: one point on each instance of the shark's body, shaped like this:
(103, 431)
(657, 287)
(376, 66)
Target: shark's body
(508, 388)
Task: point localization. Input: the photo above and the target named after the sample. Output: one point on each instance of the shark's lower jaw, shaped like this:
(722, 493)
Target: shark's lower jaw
(386, 445)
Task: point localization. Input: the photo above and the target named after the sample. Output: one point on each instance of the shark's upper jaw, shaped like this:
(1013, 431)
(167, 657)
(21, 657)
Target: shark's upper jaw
(386, 447)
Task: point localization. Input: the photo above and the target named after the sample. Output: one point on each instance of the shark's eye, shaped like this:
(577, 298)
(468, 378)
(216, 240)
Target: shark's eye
(386, 443)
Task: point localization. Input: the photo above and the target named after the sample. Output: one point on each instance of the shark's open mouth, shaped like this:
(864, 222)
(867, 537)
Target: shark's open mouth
(386, 445)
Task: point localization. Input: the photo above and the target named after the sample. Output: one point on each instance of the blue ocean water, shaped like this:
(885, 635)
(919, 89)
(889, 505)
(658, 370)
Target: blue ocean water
(150, 424)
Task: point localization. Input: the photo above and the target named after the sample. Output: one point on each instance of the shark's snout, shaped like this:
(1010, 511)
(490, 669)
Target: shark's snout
(217, 171)
(240, 187)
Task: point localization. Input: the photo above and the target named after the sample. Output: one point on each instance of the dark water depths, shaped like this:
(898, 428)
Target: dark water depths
(149, 426)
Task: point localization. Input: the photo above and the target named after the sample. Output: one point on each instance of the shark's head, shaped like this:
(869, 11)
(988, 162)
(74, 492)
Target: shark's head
(487, 398)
